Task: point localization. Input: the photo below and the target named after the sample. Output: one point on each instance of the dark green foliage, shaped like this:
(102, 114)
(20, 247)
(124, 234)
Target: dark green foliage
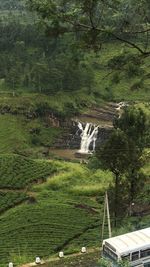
(137, 85)
(117, 62)
(122, 154)
(121, 60)
(127, 64)
(18, 172)
(133, 122)
(103, 262)
(114, 155)
(10, 199)
(97, 22)
(31, 60)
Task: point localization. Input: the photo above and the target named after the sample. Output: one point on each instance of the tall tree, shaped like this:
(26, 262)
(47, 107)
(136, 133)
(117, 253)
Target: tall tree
(122, 153)
(114, 156)
(133, 123)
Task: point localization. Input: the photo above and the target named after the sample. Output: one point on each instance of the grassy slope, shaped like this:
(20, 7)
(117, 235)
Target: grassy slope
(17, 172)
(64, 208)
(121, 90)
(85, 260)
(12, 133)
(16, 175)
(16, 135)
(64, 212)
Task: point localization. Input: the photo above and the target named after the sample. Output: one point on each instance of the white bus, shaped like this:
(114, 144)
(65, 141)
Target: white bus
(133, 247)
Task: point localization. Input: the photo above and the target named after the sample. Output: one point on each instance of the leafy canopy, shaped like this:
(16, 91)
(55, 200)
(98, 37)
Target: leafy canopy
(133, 123)
(98, 21)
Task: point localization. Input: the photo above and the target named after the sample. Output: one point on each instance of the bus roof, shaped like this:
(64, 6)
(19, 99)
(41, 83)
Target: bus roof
(124, 244)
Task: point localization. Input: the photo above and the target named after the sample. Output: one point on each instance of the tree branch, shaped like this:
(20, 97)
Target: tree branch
(146, 53)
(121, 39)
(142, 31)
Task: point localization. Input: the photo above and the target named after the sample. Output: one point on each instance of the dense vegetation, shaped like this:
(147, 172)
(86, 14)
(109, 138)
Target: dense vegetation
(123, 155)
(36, 58)
(11, 199)
(39, 229)
(75, 194)
(54, 66)
(18, 172)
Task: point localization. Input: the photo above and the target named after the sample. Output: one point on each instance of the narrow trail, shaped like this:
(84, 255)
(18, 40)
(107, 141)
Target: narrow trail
(57, 259)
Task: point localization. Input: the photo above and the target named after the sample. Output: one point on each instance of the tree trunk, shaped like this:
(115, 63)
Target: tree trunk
(132, 186)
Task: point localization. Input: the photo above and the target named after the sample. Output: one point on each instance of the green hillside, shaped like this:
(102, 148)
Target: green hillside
(62, 212)
(35, 228)
(18, 172)
(51, 75)
(117, 80)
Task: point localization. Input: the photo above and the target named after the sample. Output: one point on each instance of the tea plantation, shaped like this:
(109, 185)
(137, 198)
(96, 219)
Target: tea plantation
(17, 172)
(63, 211)
(52, 214)
(11, 199)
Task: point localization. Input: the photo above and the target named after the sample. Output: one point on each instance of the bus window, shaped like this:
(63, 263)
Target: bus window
(135, 256)
(145, 253)
(109, 253)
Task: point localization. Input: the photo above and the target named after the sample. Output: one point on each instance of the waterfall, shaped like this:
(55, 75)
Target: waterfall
(88, 137)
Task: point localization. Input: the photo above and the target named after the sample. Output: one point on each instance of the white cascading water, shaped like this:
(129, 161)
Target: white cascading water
(88, 137)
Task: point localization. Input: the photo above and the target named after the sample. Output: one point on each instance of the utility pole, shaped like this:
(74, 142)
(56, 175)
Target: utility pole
(104, 216)
(106, 211)
(108, 215)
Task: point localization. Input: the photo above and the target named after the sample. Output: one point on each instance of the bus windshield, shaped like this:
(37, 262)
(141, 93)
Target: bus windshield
(109, 253)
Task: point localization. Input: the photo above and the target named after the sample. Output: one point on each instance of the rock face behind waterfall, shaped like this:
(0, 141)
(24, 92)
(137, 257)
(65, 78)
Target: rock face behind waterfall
(73, 134)
(72, 138)
(100, 138)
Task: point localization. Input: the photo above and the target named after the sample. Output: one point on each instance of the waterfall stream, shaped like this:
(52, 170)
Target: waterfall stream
(88, 135)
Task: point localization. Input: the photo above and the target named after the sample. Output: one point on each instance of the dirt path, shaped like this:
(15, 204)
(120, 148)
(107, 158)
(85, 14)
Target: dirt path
(92, 254)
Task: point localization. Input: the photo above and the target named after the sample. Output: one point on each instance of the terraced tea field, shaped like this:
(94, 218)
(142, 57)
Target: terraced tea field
(48, 206)
(18, 172)
(11, 199)
(47, 216)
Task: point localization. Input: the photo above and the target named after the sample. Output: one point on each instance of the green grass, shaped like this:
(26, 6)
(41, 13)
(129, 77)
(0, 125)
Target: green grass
(20, 135)
(66, 213)
(109, 89)
(55, 218)
(12, 134)
(145, 106)
(85, 260)
(25, 126)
